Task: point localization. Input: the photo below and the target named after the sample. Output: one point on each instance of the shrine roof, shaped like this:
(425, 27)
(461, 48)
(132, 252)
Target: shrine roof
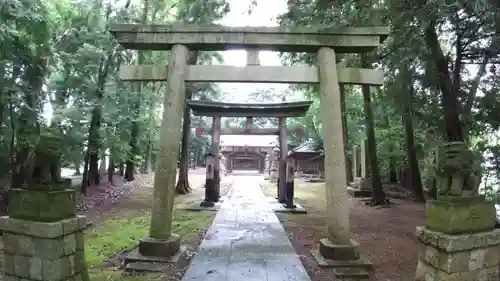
(286, 109)
(305, 150)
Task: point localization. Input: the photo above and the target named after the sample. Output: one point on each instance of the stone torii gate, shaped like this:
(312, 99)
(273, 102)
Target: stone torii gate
(250, 111)
(325, 42)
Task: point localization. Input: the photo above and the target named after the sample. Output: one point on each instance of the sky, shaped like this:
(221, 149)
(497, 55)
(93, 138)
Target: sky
(263, 15)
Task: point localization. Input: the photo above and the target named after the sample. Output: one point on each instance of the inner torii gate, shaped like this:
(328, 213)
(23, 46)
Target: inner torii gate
(250, 111)
(326, 42)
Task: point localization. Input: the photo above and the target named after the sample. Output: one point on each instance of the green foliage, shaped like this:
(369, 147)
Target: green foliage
(59, 80)
(412, 82)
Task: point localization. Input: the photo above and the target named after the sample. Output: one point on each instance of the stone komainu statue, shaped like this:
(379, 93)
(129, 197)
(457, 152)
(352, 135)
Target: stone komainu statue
(458, 170)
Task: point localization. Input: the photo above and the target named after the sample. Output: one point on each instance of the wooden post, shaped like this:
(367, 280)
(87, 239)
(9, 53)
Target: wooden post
(338, 245)
(161, 240)
(216, 127)
(282, 161)
(209, 181)
(290, 175)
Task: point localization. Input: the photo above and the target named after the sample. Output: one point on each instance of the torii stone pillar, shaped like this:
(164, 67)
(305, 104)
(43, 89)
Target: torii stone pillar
(338, 245)
(273, 166)
(361, 184)
(365, 172)
(212, 185)
(282, 161)
(161, 242)
(355, 163)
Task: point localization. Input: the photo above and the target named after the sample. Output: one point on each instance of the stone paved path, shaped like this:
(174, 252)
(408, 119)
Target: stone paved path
(246, 242)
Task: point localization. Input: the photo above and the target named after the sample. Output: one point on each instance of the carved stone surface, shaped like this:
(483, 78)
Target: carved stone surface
(32, 204)
(456, 215)
(458, 170)
(458, 257)
(44, 251)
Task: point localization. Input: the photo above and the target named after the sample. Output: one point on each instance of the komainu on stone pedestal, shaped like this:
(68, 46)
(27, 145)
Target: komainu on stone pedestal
(459, 240)
(43, 237)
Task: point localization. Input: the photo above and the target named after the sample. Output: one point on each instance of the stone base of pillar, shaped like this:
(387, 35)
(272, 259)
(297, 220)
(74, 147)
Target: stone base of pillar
(206, 203)
(338, 252)
(160, 247)
(464, 257)
(44, 250)
(345, 259)
(153, 254)
(360, 187)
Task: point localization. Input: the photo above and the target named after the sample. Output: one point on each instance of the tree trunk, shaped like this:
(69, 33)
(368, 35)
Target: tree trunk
(93, 148)
(85, 180)
(102, 164)
(134, 134)
(130, 165)
(378, 194)
(453, 125)
(414, 178)
(77, 168)
(121, 169)
(111, 169)
(393, 174)
(345, 134)
(182, 186)
(93, 177)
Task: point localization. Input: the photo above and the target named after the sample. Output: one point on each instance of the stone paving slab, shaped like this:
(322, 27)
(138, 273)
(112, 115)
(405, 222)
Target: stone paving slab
(246, 242)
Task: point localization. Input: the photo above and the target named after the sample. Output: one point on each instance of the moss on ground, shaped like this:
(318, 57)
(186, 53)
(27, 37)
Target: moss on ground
(117, 234)
(122, 231)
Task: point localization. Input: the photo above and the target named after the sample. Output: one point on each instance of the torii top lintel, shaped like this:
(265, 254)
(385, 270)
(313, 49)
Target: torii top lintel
(220, 38)
(288, 109)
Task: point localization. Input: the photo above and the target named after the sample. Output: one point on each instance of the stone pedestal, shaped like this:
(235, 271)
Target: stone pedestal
(459, 241)
(160, 247)
(43, 237)
(360, 187)
(466, 257)
(457, 215)
(50, 251)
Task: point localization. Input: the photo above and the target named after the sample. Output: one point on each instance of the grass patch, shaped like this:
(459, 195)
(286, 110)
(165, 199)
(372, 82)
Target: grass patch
(120, 233)
(128, 223)
(114, 235)
(304, 193)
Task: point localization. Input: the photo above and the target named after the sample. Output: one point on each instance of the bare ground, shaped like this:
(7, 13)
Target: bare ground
(386, 235)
